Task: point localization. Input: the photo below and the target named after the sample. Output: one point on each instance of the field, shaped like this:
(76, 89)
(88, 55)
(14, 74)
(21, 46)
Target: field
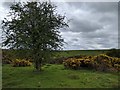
(79, 52)
(56, 76)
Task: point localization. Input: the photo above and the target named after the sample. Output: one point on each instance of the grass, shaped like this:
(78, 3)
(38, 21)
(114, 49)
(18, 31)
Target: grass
(55, 76)
(69, 53)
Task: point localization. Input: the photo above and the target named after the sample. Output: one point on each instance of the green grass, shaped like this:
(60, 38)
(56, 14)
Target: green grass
(69, 53)
(55, 76)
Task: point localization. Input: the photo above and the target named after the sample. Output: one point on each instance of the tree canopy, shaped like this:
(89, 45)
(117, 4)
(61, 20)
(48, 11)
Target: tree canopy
(34, 26)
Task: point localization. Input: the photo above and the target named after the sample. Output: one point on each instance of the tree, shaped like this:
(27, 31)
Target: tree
(34, 26)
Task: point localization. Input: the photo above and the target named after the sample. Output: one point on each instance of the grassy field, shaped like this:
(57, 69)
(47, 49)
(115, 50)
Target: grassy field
(55, 76)
(69, 53)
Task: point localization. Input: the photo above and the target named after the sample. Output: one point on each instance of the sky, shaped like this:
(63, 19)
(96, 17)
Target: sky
(92, 25)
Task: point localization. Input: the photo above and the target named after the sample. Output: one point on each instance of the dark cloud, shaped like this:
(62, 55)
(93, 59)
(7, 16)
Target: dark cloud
(84, 26)
(75, 39)
(90, 35)
(104, 7)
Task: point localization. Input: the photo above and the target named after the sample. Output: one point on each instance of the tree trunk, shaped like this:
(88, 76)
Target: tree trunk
(37, 59)
(38, 64)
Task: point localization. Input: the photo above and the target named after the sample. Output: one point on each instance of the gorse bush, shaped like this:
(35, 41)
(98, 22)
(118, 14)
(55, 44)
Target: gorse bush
(114, 53)
(86, 61)
(7, 57)
(101, 62)
(6, 61)
(72, 63)
(77, 63)
(21, 63)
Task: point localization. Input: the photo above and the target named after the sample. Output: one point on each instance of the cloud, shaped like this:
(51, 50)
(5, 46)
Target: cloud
(104, 7)
(93, 25)
(79, 25)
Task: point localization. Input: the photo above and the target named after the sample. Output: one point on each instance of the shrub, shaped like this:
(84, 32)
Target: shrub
(86, 61)
(114, 53)
(6, 57)
(103, 62)
(61, 59)
(117, 66)
(100, 62)
(21, 63)
(56, 61)
(6, 61)
(72, 63)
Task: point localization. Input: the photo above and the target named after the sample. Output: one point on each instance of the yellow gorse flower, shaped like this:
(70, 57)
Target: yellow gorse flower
(21, 62)
(93, 61)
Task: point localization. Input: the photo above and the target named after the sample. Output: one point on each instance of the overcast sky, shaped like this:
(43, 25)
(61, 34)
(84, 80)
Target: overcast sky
(93, 25)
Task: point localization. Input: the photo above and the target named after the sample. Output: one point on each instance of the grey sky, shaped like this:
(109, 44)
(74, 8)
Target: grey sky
(93, 25)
